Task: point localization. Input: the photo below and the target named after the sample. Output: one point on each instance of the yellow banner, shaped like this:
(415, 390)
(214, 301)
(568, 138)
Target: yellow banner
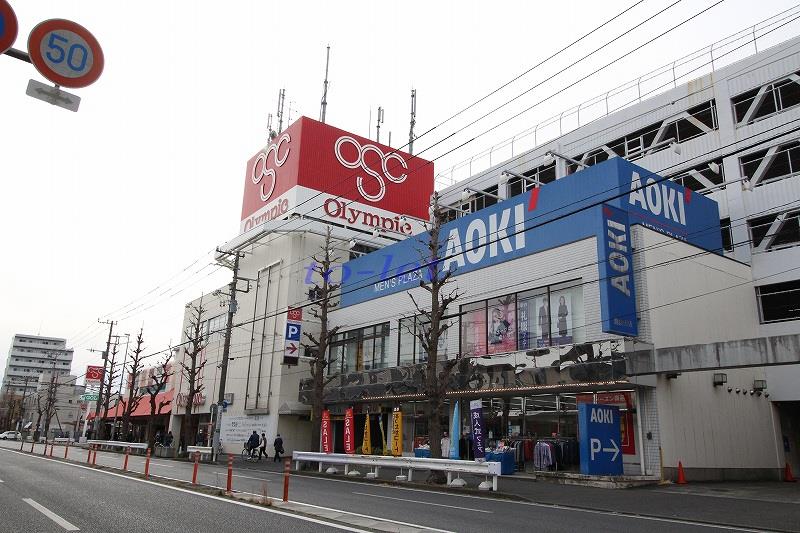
(366, 445)
(397, 433)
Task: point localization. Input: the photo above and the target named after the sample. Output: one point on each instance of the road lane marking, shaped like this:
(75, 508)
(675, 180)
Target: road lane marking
(51, 515)
(423, 503)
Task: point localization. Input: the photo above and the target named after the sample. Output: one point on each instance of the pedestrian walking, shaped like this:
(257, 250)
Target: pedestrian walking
(262, 450)
(278, 445)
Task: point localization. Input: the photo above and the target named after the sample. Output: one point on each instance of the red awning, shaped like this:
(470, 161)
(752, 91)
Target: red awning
(142, 409)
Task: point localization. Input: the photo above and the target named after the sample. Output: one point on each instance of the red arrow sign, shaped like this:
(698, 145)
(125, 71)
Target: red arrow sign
(291, 348)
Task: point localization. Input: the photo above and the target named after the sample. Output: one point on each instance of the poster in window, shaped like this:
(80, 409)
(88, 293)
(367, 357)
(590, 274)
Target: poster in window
(562, 316)
(542, 321)
(473, 333)
(501, 327)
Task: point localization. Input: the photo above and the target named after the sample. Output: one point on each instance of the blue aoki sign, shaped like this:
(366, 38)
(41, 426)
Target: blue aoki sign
(599, 435)
(602, 201)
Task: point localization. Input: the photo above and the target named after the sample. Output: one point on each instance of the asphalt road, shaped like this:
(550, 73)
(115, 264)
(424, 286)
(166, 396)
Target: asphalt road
(48, 496)
(555, 508)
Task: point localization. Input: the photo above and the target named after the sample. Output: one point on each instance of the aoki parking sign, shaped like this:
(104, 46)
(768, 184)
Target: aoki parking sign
(359, 162)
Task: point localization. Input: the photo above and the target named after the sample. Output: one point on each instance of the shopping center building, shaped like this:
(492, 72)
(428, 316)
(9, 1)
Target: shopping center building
(650, 263)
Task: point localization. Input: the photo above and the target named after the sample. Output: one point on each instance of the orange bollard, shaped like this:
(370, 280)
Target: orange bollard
(147, 464)
(230, 474)
(21, 443)
(89, 455)
(66, 450)
(44, 452)
(196, 464)
(681, 475)
(287, 466)
(52, 445)
(125, 464)
(94, 455)
(32, 445)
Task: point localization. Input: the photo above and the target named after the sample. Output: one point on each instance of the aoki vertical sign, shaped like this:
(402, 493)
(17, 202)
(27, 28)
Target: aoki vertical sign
(615, 265)
(349, 437)
(476, 421)
(327, 438)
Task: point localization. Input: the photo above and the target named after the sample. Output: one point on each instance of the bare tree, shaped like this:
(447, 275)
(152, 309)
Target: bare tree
(157, 382)
(135, 396)
(194, 346)
(108, 381)
(435, 325)
(322, 303)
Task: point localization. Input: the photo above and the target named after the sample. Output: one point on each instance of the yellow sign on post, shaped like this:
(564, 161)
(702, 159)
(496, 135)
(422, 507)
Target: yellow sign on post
(397, 432)
(366, 445)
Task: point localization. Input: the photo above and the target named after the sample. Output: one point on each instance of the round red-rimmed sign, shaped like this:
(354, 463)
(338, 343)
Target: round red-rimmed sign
(65, 53)
(8, 26)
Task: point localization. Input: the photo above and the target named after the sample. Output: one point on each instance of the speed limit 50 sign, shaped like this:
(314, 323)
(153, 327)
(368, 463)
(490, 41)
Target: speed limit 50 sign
(65, 53)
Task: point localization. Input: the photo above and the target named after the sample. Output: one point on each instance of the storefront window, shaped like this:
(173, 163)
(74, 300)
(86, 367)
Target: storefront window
(473, 329)
(551, 316)
(360, 349)
(411, 349)
(566, 313)
(502, 329)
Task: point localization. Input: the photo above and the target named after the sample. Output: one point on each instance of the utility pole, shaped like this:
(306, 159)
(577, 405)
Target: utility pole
(378, 125)
(121, 377)
(413, 121)
(324, 103)
(100, 394)
(24, 395)
(226, 348)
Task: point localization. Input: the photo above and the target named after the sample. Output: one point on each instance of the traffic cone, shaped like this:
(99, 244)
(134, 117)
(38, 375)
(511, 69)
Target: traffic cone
(787, 474)
(681, 475)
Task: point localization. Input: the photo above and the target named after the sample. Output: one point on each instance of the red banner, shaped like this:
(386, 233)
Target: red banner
(349, 436)
(327, 437)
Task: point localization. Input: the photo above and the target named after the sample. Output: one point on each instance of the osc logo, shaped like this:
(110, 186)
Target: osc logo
(358, 161)
(262, 173)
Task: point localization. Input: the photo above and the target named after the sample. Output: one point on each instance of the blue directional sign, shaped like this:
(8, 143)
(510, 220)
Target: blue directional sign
(599, 432)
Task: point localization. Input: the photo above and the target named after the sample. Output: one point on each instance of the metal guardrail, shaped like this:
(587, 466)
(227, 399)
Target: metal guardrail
(119, 444)
(201, 449)
(449, 466)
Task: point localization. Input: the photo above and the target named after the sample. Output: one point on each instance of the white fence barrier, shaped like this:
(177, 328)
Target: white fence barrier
(449, 466)
(118, 444)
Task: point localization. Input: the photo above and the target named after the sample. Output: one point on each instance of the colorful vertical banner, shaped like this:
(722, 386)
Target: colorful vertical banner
(476, 422)
(349, 430)
(327, 438)
(397, 432)
(455, 433)
(383, 434)
(366, 444)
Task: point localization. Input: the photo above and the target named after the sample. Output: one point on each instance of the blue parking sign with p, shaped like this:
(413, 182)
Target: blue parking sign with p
(292, 331)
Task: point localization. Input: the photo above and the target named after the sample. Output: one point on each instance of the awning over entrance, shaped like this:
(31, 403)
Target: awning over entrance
(142, 409)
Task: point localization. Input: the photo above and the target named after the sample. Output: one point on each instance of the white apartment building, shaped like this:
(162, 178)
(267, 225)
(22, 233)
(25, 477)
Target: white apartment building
(32, 355)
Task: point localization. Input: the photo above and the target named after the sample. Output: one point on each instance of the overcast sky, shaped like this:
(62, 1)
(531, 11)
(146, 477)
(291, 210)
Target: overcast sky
(109, 206)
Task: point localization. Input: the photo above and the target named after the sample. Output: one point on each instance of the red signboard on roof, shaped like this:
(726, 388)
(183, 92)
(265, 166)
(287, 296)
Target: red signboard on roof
(363, 183)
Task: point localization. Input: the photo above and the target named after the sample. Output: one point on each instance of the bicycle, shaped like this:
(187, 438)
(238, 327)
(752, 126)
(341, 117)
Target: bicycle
(248, 456)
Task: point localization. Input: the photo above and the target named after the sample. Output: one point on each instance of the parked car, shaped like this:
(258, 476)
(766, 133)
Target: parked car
(10, 435)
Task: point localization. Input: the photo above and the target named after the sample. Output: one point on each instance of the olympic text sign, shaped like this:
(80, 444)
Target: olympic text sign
(322, 171)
